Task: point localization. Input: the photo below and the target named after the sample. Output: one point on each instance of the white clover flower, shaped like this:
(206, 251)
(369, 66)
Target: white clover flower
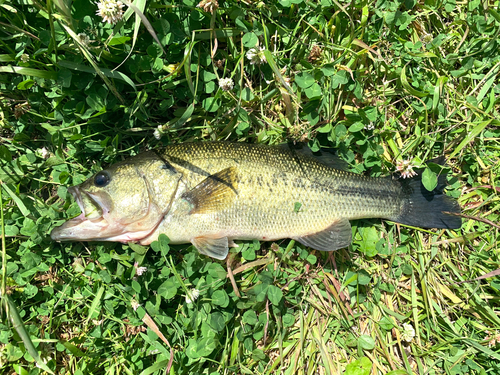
(426, 38)
(139, 270)
(110, 10)
(43, 153)
(24, 57)
(209, 6)
(370, 126)
(192, 295)
(406, 168)
(408, 332)
(256, 55)
(135, 305)
(84, 39)
(226, 84)
(158, 132)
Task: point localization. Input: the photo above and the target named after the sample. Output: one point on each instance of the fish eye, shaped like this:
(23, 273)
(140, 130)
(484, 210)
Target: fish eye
(102, 179)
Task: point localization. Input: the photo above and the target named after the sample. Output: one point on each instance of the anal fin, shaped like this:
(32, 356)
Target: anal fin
(337, 236)
(213, 247)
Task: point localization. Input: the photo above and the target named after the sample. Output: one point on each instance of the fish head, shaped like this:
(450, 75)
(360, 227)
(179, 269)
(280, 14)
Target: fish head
(118, 203)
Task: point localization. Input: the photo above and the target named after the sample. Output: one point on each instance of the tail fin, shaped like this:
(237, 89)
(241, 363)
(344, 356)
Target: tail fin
(425, 209)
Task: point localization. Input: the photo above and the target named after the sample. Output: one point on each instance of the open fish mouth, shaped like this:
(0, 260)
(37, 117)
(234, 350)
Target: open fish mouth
(99, 221)
(91, 210)
(90, 224)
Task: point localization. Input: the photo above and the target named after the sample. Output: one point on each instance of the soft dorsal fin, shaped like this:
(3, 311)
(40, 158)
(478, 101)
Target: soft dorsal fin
(326, 156)
(336, 236)
(213, 193)
(213, 247)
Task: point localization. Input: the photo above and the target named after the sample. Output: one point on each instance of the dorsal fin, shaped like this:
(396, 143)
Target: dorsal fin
(214, 193)
(326, 156)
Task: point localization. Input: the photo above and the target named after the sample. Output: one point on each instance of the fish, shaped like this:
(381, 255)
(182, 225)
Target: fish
(212, 193)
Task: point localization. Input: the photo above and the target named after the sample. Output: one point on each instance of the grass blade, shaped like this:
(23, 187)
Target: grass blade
(483, 349)
(470, 137)
(107, 72)
(276, 71)
(17, 200)
(156, 367)
(7, 58)
(408, 87)
(152, 325)
(184, 118)
(28, 72)
(138, 7)
(139, 13)
(95, 303)
(18, 325)
(91, 60)
(4, 249)
(187, 67)
(488, 83)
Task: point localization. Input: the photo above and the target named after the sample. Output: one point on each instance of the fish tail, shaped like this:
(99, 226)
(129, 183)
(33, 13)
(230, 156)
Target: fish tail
(427, 209)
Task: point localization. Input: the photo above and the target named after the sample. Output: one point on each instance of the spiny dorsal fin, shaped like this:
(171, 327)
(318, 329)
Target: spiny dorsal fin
(213, 193)
(213, 247)
(326, 156)
(337, 236)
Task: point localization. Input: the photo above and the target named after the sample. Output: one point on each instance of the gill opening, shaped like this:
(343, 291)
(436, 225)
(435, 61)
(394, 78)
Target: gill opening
(151, 195)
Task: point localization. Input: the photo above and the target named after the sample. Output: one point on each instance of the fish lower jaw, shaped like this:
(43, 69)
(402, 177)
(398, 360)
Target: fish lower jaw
(85, 230)
(78, 228)
(127, 237)
(82, 228)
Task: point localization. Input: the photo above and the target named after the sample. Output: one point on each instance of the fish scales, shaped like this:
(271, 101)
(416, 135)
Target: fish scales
(264, 205)
(214, 192)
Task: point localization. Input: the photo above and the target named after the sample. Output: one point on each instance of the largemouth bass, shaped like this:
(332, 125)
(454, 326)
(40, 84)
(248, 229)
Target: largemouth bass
(212, 193)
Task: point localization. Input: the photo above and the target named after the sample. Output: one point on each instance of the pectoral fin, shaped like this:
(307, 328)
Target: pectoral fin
(213, 247)
(213, 193)
(336, 236)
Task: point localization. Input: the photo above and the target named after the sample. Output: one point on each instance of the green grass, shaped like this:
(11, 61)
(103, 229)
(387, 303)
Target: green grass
(382, 81)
